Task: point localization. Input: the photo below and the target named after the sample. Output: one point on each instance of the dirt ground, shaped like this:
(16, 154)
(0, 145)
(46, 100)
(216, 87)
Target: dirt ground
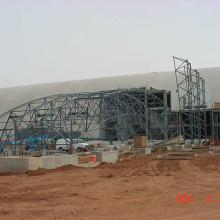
(135, 188)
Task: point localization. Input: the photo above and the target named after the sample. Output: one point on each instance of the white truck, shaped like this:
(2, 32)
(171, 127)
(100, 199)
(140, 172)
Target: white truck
(81, 147)
(63, 145)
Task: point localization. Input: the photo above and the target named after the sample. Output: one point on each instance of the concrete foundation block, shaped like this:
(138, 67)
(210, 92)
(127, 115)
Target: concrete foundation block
(34, 163)
(147, 151)
(142, 151)
(139, 151)
(19, 164)
(169, 148)
(52, 162)
(13, 164)
(110, 156)
(107, 156)
(98, 155)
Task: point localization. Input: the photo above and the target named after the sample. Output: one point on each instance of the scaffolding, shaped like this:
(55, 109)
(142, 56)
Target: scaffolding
(191, 98)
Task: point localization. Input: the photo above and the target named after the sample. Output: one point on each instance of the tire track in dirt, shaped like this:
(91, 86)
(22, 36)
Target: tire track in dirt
(135, 167)
(188, 167)
(153, 168)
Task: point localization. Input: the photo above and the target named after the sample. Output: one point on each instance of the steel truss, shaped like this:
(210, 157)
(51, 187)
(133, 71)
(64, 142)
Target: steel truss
(191, 96)
(157, 107)
(123, 112)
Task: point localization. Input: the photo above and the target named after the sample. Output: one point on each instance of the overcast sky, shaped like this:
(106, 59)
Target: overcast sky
(59, 40)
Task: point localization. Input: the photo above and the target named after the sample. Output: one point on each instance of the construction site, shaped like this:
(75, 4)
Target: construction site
(129, 147)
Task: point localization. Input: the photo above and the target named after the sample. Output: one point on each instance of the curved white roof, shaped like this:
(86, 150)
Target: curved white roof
(13, 96)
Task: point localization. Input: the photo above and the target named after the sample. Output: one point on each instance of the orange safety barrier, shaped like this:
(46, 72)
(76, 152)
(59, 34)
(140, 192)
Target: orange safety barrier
(93, 158)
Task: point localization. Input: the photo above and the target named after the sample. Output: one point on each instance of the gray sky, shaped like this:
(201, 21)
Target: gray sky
(59, 40)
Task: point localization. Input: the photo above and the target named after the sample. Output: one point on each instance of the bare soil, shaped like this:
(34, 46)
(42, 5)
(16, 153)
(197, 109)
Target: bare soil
(135, 188)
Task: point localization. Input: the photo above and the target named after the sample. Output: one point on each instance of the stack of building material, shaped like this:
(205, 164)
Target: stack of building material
(216, 105)
(140, 141)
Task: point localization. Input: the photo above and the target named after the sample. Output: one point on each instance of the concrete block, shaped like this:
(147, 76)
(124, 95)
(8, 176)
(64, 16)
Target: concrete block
(107, 156)
(142, 151)
(19, 164)
(147, 151)
(34, 163)
(139, 151)
(110, 156)
(13, 164)
(169, 148)
(98, 155)
(52, 162)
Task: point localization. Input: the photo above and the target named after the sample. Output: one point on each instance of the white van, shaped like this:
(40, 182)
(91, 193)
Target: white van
(63, 144)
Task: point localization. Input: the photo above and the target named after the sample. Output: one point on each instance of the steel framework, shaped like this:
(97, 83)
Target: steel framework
(191, 97)
(158, 104)
(121, 112)
(67, 116)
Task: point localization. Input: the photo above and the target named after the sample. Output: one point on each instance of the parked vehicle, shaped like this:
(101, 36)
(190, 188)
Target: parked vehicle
(63, 144)
(81, 147)
(78, 145)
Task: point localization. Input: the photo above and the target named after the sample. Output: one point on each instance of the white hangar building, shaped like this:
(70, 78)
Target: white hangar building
(11, 97)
